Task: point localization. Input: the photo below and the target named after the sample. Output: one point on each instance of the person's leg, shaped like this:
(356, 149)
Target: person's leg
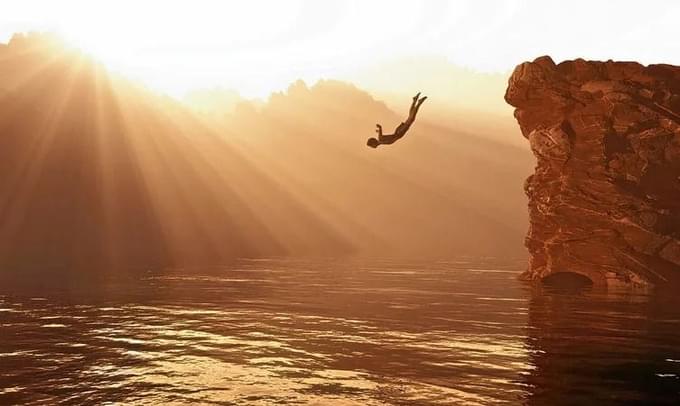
(412, 109)
(420, 102)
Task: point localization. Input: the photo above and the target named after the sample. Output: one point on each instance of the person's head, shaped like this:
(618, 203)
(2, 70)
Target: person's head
(373, 142)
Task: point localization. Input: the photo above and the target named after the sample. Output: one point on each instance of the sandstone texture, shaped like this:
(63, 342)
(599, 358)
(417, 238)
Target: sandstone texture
(604, 201)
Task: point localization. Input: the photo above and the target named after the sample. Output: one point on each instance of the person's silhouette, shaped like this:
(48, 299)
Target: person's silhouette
(401, 129)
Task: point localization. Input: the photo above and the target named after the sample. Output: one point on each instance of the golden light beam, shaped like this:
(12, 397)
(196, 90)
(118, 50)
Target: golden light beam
(22, 181)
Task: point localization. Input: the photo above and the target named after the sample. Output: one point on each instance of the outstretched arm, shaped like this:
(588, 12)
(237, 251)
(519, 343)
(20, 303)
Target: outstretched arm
(379, 130)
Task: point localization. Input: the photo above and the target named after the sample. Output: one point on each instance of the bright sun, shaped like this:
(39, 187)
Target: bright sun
(255, 46)
(174, 50)
(260, 46)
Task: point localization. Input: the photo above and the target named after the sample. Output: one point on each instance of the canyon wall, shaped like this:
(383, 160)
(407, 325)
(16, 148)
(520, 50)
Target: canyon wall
(604, 201)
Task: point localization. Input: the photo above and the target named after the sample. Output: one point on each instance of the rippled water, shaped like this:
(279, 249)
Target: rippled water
(336, 332)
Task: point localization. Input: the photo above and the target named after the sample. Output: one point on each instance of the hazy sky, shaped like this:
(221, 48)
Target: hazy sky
(257, 46)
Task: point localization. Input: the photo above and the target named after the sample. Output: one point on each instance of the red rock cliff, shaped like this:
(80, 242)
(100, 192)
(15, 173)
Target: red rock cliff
(604, 201)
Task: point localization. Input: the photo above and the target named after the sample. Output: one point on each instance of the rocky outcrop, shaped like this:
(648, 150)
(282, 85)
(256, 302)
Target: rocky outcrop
(604, 201)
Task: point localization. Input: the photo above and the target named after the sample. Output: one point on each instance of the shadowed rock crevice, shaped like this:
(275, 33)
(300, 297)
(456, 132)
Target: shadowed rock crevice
(604, 201)
(567, 279)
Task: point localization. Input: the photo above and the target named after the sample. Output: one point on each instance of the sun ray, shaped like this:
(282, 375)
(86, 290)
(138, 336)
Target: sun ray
(30, 167)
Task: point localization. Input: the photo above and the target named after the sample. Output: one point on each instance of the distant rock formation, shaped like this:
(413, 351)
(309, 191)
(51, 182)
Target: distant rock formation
(99, 174)
(604, 201)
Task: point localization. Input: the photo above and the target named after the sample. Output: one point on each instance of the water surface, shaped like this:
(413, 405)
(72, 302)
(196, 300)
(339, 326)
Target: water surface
(336, 332)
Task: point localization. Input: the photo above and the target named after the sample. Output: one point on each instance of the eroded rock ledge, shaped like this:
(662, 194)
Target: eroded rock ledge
(604, 201)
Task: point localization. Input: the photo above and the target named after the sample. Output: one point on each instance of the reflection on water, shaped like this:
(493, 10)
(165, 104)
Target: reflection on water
(334, 332)
(616, 348)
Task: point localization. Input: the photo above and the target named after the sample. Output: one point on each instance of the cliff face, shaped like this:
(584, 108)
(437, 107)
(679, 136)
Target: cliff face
(604, 201)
